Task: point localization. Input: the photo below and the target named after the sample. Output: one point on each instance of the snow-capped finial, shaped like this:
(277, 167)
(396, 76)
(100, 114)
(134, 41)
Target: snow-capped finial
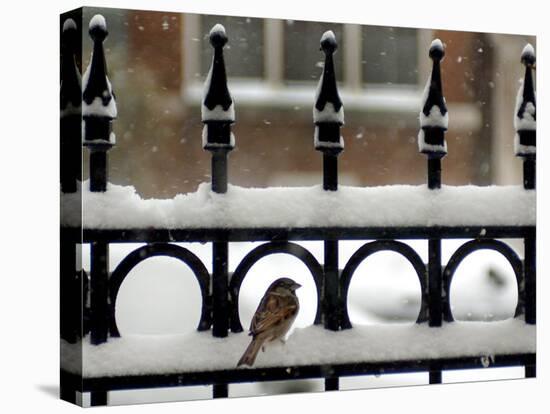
(528, 55)
(69, 25)
(328, 110)
(98, 107)
(98, 96)
(434, 118)
(217, 36)
(71, 91)
(217, 103)
(70, 94)
(525, 119)
(328, 105)
(217, 110)
(328, 42)
(437, 51)
(98, 28)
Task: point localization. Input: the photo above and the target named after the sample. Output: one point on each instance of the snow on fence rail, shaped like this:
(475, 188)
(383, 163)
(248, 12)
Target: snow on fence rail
(95, 359)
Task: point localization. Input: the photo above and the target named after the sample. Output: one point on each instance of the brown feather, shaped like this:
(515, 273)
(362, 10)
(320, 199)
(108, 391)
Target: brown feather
(251, 352)
(273, 317)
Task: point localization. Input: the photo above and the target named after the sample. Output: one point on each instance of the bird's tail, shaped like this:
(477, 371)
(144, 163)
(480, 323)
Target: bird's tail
(249, 355)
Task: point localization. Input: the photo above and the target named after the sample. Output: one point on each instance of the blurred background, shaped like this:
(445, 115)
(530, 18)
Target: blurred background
(157, 63)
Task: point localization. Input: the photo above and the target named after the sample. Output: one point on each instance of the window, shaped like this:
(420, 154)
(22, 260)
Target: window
(273, 62)
(390, 55)
(244, 58)
(302, 59)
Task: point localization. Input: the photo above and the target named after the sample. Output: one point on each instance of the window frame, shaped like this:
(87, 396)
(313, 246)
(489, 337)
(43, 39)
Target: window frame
(271, 90)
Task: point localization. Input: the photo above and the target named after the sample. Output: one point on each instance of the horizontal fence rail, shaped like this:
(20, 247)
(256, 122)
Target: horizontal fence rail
(93, 296)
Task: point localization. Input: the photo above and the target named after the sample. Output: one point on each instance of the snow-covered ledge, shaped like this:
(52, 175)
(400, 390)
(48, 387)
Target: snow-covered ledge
(120, 207)
(314, 345)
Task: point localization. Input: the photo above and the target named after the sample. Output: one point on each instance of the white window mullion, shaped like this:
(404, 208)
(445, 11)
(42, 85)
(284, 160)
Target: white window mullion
(274, 52)
(191, 43)
(352, 56)
(424, 39)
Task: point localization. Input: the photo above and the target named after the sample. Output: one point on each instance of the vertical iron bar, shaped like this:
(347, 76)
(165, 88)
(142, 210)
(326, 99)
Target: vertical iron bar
(529, 172)
(434, 282)
(98, 398)
(332, 384)
(70, 292)
(330, 170)
(220, 391)
(220, 289)
(530, 277)
(435, 376)
(219, 170)
(68, 387)
(99, 275)
(70, 156)
(435, 307)
(434, 172)
(98, 170)
(331, 286)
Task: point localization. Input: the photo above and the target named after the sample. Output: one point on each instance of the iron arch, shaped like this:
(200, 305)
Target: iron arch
(260, 252)
(466, 249)
(161, 249)
(374, 247)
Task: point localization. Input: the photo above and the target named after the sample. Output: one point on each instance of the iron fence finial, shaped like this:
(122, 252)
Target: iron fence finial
(525, 120)
(434, 118)
(70, 99)
(98, 96)
(328, 114)
(217, 110)
(71, 90)
(217, 102)
(99, 107)
(327, 90)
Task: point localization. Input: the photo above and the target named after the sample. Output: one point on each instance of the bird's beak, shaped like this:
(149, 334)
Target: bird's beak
(296, 286)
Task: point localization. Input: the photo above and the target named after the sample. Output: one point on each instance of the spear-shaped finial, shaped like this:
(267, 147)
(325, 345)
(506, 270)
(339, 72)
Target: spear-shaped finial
(217, 103)
(328, 105)
(71, 109)
(98, 96)
(98, 108)
(328, 115)
(218, 113)
(525, 114)
(71, 91)
(525, 120)
(434, 118)
(328, 111)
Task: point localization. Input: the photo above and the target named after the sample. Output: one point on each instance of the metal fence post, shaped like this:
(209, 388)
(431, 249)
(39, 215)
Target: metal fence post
(70, 168)
(98, 111)
(328, 116)
(525, 123)
(218, 114)
(71, 280)
(525, 120)
(434, 120)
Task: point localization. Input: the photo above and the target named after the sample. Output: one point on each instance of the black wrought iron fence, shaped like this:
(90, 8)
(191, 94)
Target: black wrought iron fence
(95, 106)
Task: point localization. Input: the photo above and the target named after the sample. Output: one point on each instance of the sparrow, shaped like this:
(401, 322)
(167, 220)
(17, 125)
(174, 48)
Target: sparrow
(273, 318)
